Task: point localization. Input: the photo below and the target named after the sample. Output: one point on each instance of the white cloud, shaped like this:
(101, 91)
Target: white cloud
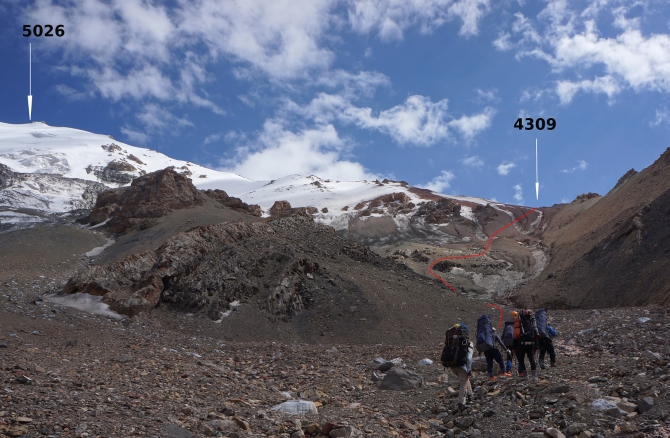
(279, 152)
(213, 138)
(137, 50)
(155, 121)
(469, 126)
(353, 86)
(662, 117)
(417, 121)
(70, 93)
(643, 63)
(440, 182)
(163, 52)
(127, 49)
(569, 40)
(581, 165)
(390, 18)
(368, 52)
(156, 118)
(503, 42)
(504, 168)
(280, 39)
(473, 161)
(134, 136)
(532, 94)
(484, 96)
(566, 90)
(518, 194)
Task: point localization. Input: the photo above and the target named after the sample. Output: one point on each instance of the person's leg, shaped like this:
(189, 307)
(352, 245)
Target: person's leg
(498, 358)
(488, 354)
(531, 356)
(552, 352)
(463, 383)
(543, 350)
(519, 358)
(509, 363)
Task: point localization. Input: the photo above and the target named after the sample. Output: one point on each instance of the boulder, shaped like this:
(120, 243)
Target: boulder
(553, 433)
(279, 208)
(297, 407)
(401, 380)
(645, 404)
(148, 197)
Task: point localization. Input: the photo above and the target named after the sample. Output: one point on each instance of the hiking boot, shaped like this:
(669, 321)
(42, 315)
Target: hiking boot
(542, 365)
(522, 374)
(507, 374)
(492, 378)
(553, 364)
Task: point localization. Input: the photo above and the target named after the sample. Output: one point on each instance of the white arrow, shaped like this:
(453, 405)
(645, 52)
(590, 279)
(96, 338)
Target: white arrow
(537, 178)
(30, 96)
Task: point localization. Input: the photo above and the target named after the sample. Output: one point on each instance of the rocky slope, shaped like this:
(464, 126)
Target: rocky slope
(291, 270)
(609, 251)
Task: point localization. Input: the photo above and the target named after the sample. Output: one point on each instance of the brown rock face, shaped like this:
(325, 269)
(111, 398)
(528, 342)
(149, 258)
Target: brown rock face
(121, 166)
(439, 212)
(586, 196)
(234, 203)
(123, 284)
(150, 196)
(485, 213)
(393, 203)
(279, 208)
(135, 159)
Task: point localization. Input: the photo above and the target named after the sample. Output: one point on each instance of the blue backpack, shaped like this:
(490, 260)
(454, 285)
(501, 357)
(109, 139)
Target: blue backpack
(484, 334)
(541, 319)
(508, 334)
(551, 332)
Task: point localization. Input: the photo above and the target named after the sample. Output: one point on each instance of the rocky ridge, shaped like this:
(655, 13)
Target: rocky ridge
(289, 269)
(609, 251)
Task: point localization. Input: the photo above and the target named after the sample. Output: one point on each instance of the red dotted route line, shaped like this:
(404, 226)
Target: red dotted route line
(488, 245)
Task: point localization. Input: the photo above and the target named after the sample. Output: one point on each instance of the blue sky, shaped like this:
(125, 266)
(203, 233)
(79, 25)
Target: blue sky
(426, 91)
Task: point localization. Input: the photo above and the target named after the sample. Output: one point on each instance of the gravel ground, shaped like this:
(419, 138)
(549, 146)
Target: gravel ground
(67, 373)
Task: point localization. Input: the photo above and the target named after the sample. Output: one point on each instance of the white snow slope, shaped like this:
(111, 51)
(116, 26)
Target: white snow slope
(37, 148)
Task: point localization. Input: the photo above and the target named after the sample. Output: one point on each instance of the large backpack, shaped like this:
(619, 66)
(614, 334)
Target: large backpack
(456, 343)
(508, 334)
(528, 327)
(484, 334)
(541, 319)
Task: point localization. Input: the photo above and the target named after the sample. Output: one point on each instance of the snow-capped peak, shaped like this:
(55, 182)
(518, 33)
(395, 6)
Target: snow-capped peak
(57, 169)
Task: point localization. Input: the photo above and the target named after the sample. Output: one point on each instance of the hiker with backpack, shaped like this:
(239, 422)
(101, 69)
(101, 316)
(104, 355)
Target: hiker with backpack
(494, 353)
(487, 338)
(508, 340)
(525, 335)
(545, 343)
(457, 355)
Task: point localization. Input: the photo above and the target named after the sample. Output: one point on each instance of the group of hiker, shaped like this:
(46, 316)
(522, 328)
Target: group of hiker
(527, 332)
